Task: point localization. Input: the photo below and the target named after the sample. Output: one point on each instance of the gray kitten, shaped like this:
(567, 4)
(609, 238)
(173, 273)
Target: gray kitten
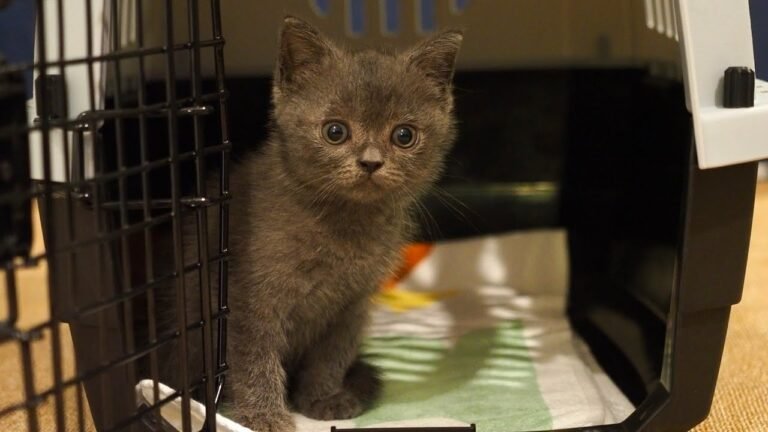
(320, 214)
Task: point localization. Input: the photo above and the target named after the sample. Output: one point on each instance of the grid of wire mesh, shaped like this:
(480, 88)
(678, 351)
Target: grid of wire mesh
(114, 236)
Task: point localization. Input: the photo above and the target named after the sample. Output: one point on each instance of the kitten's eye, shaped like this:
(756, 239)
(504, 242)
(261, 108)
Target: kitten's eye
(335, 132)
(404, 136)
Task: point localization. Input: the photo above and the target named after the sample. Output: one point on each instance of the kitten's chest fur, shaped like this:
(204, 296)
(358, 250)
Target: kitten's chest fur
(305, 264)
(336, 271)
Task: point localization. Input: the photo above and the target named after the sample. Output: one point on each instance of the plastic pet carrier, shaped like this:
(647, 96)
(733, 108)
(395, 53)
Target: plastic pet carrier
(595, 212)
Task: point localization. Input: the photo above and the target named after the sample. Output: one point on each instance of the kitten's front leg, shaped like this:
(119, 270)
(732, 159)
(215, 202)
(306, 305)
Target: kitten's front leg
(330, 382)
(258, 380)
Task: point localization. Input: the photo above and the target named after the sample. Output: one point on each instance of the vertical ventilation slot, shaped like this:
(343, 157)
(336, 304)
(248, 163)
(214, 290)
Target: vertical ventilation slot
(650, 20)
(670, 28)
(661, 15)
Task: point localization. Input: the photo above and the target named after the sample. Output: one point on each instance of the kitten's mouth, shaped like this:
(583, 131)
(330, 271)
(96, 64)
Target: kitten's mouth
(367, 188)
(369, 181)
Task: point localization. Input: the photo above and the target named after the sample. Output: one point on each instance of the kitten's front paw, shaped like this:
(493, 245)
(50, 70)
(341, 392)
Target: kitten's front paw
(340, 406)
(269, 422)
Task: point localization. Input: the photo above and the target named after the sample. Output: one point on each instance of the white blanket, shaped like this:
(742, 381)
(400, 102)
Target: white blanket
(476, 333)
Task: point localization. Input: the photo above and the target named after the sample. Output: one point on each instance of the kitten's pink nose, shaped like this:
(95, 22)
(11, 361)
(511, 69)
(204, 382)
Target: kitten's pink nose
(371, 160)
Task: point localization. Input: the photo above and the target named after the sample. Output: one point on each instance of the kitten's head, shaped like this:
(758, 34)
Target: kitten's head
(366, 125)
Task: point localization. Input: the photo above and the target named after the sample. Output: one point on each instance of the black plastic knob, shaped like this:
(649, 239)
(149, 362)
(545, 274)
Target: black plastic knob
(739, 87)
(53, 86)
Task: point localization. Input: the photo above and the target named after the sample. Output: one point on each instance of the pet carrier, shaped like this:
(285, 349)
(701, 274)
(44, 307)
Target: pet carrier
(606, 147)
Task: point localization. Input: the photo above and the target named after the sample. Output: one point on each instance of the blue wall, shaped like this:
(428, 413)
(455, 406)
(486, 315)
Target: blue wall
(17, 34)
(759, 9)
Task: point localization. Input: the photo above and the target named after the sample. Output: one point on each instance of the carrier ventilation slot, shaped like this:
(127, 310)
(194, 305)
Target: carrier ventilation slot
(661, 15)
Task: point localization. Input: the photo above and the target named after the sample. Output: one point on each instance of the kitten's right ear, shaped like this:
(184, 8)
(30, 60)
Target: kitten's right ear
(436, 56)
(302, 48)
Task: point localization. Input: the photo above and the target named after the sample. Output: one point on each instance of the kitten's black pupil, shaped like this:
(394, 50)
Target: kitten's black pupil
(404, 136)
(335, 132)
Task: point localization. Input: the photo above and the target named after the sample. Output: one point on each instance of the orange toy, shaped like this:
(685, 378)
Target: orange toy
(412, 255)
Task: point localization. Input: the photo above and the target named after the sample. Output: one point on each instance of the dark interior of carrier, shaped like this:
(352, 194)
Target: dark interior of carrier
(656, 259)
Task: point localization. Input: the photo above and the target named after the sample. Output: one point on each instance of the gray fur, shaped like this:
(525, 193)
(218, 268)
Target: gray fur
(313, 235)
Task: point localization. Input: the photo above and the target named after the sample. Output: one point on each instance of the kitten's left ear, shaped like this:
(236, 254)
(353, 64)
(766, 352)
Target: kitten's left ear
(436, 56)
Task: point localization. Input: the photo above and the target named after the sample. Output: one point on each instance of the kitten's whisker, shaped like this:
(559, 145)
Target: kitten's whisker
(452, 197)
(429, 221)
(434, 222)
(328, 191)
(444, 195)
(321, 197)
(301, 185)
(326, 200)
(405, 213)
(316, 197)
(454, 209)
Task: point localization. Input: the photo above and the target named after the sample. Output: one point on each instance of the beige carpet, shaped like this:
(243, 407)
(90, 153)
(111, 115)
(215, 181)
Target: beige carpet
(33, 309)
(741, 399)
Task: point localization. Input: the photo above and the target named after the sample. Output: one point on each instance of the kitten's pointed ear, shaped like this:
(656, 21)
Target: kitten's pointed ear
(436, 56)
(301, 49)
